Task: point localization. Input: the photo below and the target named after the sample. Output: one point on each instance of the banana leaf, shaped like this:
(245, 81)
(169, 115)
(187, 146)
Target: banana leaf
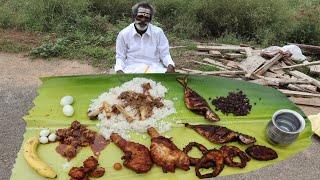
(47, 112)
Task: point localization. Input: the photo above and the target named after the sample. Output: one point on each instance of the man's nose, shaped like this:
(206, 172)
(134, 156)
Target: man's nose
(144, 19)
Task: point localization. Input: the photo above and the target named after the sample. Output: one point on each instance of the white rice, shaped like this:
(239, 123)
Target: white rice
(118, 123)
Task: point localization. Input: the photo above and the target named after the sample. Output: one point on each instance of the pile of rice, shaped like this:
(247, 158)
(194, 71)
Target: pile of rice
(118, 123)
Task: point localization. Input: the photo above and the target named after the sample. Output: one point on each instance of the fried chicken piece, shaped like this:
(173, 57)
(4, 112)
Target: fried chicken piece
(136, 156)
(261, 153)
(229, 152)
(98, 172)
(196, 103)
(220, 135)
(215, 156)
(166, 154)
(77, 173)
(91, 163)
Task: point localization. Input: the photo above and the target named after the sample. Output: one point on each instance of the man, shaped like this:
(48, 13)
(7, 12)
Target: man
(142, 47)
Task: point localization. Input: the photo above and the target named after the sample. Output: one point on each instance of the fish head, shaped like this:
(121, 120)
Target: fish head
(212, 116)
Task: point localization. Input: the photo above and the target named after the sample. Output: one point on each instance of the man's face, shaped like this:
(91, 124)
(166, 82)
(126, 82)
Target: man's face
(142, 19)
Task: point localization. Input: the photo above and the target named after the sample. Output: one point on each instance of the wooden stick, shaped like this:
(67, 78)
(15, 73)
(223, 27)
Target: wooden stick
(268, 64)
(191, 71)
(306, 101)
(298, 93)
(218, 67)
(282, 81)
(301, 75)
(211, 61)
(224, 72)
(223, 48)
(299, 65)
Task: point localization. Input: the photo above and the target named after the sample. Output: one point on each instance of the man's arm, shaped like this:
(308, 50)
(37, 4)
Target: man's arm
(164, 53)
(120, 54)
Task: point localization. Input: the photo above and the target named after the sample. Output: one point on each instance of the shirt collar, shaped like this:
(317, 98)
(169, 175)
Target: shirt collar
(134, 31)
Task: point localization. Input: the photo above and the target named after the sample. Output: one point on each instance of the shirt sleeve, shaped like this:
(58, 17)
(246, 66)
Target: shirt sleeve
(120, 53)
(164, 50)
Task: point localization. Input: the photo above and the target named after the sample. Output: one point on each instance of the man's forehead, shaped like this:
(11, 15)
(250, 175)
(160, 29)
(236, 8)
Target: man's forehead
(144, 11)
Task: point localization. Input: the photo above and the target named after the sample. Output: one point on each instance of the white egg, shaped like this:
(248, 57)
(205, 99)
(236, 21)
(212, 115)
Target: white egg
(66, 100)
(68, 110)
(43, 140)
(52, 137)
(44, 132)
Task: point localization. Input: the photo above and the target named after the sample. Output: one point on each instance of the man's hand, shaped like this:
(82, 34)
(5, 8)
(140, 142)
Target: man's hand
(170, 69)
(120, 72)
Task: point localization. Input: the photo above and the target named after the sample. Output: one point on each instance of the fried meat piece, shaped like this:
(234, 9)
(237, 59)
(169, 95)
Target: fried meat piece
(194, 161)
(77, 173)
(76, 136)
(196, 103)
(166, 154)
(98, 172)
(229, 152)
(136, 156)
(91, 163)
(215, 156)
(220, 135)
(261, 153)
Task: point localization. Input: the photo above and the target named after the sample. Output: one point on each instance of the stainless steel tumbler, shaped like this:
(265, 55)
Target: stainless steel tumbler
(284, 127)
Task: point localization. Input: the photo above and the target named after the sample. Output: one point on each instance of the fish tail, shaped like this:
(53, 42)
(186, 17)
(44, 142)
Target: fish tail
(183, 81)
(186, 125)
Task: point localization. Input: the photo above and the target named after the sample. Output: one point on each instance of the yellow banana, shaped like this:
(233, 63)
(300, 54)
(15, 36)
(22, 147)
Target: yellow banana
(31, 156)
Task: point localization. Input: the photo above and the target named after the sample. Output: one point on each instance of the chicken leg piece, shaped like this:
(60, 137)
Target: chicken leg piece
(136, 156)
(196, 103)
(166, 154)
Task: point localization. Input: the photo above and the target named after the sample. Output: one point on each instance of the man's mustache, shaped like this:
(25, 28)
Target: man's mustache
(141, 23)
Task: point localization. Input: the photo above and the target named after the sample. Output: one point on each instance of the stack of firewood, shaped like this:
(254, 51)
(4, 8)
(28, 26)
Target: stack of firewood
(276, 70)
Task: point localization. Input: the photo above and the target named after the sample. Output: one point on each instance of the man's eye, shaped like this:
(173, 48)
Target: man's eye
(140, 16)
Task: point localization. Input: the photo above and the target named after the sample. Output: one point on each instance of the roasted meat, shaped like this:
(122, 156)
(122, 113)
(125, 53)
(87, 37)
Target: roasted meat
(136, 156)
(229, 152)
(73, 138)
(91, 163)
(212, 156)
(166, 154)
(77, 173)
(98, 172)
(89, 168)
(194, 161)
(220, 135)
(196, 103)
(142, 102)
(261, 153)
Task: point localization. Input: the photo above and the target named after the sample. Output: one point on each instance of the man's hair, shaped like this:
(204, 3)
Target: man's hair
(144, 5)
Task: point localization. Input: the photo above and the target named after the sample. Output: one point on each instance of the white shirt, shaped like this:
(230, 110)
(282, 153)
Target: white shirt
(140, 54)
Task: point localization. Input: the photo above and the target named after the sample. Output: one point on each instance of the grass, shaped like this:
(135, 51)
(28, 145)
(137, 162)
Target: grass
(7, 45)
(207, 68)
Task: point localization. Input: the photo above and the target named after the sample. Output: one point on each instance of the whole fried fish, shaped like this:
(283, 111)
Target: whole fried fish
(196, 103)
(220, 135)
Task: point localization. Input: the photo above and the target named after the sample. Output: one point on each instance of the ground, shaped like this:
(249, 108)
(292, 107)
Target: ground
(19, 80)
